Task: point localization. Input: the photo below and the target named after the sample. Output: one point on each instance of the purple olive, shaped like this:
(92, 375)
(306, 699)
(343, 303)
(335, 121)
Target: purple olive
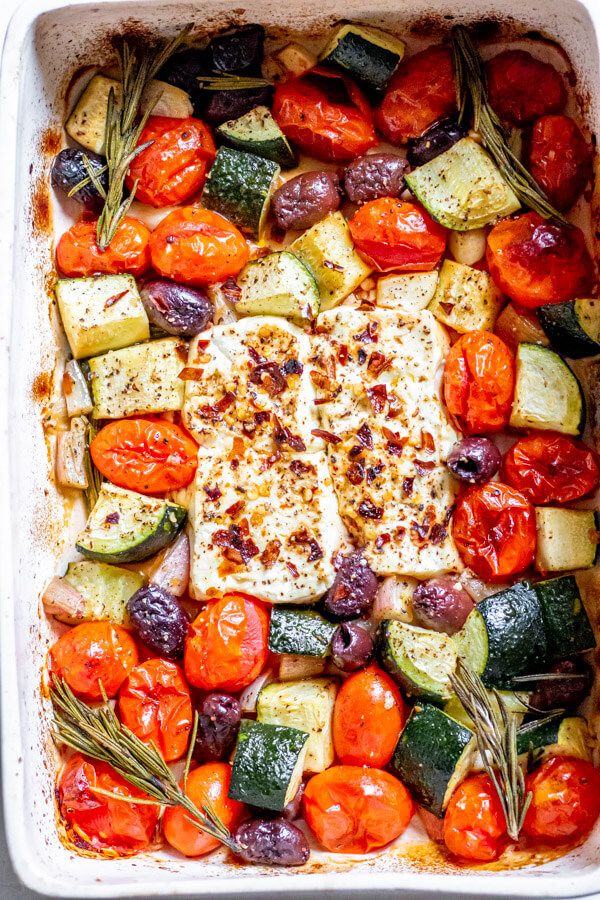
(353, 590)
(375, 175)
(352, 646)
(219, 106)
(565, 693)
(240, 51)
(183, 70)
(438, 138)
(304, 200)
(474, 460)
(441, 604)
(293, 809)
(219, 716)
(271, 842)
(176, 308)
(159, 619)
(69, 169)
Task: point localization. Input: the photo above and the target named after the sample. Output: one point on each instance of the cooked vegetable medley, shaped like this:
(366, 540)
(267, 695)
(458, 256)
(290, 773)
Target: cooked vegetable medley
(338, 478)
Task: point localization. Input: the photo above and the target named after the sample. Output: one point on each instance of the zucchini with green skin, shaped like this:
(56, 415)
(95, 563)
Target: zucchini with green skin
(433, 755)
(515, 703)
(105, 589)
(566, 623)
(267, 765)
(548, 396)
(302, 632)
(465, 299)
(239, 187)
(573, 327)
(366, 54)
(555, 736)
(258, 132)
(278, 284)
(566, 538)
(419, 659)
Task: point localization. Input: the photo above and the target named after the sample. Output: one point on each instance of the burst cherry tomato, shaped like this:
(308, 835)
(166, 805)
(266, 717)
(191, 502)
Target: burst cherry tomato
(325, 114)
(104, 823)
(421, 91)
(479, 382)
(351, 809)
(367, 719)
(226, 648)
(494, 530)
(397, 235)
(197, 246)
(551, 468)
(146, 456)
(155, 704)
(94, 652)
(536, 262)
(560, 159)
(474, 824)
(521, 87)
(173, 168)
(78, 254)
(565, 802)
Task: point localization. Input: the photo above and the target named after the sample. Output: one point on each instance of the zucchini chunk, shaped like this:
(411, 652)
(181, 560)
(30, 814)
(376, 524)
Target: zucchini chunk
(566, 538)
(258, 132)
(410, 292)
(366, 54)
(573, 327)
(555, 736)
(465, 299)
(278, 285)
(302, 632)
(433, 755)
(548, 396)
(102, 313)
(566, 622)
(105, 590)
(307, 705)
(328, 251)
(239, 187)
(515, 703)
(462, 188)
(267, 764)
(419, 659)
(127, 527)
(140, 379)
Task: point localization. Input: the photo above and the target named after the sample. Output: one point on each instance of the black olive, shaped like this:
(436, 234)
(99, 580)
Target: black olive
(474, 460)
(271, 842)
(375, 175)
(565, 693)
(219, 716)
(220, 106)
(305, 199)
(184, 69)
(176, 308)
(240, 51)
(436, 140)
(441, 604)
(159, 619)
(352, 646)
(68, 169)
(353, 589)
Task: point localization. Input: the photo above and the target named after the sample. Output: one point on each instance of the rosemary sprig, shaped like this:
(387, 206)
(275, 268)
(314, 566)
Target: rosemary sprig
(94, 477)
(227, 82)
(99, 734)
(496, 733)
(471, 93)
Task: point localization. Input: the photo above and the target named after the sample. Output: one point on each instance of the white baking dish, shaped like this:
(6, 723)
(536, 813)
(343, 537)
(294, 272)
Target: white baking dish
(46, 41)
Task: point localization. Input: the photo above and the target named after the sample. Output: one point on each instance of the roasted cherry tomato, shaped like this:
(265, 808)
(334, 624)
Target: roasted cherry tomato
(368, 717)
(521, 87)
(105, 824)
(474, 824)
(155, 704)
(94, 652)
(197, 246)
(150, 457)
(208, 784)
(421, 92)
(173, 168)
(226, 648)
(536, 262)
(397, 235)
(560, 159)
(78, 254)
(551, 468)
(494, 530)
(565, 802)
(351, 809)
(479, 382)
(325, 114)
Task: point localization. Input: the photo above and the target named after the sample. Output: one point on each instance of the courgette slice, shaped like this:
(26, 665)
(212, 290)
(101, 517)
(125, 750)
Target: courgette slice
(105, 590)
(258, 132)
(555, 736)
(366, 54)
(462, 188)
(307, 705)
(566, 622)
(433, 755)
(465, 299)
(278, 285)
(239, 186)
(515, 703)
(267, 764)
(548, 396)
(419, 659)
(410, 292)
(566, 538)
(127, 527)
(573, 327)
(302, 632)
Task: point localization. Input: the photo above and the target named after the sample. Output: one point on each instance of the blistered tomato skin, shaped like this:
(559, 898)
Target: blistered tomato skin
(105, 824)
(551, 468)
(197, 246)
(91, 653)
(159, 619)
(78, 254)
(560, 159)
(393, 234)
(351, 809)
(565, 802)
(474, 824)
(521, 87)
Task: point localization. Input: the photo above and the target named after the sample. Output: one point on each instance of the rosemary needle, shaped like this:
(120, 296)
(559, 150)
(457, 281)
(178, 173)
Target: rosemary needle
(94, 477)
(228, 82)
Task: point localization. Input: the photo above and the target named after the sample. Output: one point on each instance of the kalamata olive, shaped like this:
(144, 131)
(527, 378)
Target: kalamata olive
(184, 69)
(219, 106)
(375, 175)
(441, 604)
(176, 308)
(271, 842)
(304, 200)
(68, 169)
(293, 809)
(565, 693)
(219, 717)
(437, 139)
(159, 619)
(474, 460)
(353, 590)
(352, 646)
(240, 51)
